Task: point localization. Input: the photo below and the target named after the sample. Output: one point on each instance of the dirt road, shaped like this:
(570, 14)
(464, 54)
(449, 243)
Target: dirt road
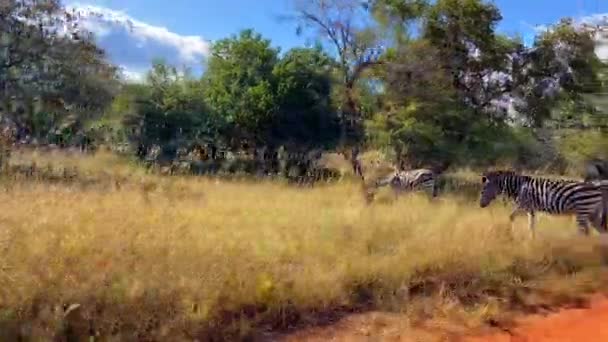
(589, 324)
(576, 325)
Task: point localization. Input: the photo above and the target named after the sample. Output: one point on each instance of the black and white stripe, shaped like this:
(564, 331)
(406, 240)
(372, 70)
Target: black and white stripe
(603, 186)
(410, 180)
(586, 200)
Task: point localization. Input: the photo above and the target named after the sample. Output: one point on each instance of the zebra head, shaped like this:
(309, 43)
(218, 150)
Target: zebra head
(493, 185)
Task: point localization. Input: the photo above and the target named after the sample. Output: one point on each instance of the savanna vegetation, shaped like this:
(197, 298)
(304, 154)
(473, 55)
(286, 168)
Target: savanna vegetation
(95, 243)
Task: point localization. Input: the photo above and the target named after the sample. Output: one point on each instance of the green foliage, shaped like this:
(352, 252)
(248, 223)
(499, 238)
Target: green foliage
(461, 22)
(577, 147)
(489, 145)
(169, 109)
(400, 11)
(421, 119)
(562, 66)
(269, 100)
(438, 97)
(464, 34)
(598, 99)
(579, 55)
(344, 25)
(46, 72)
(412, 74)
(303, 89)
(576, 113)
(449, 112)
(415, 140)
(238, 82)
(240, 99)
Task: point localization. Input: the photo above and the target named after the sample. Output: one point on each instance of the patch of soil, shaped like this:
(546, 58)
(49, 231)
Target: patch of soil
(365, 327)
(581, 324)
(571, 324)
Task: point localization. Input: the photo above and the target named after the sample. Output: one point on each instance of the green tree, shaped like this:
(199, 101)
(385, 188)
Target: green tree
(463, 31)
(421, 119)
(303, 90)
(50, 67)
(346, 25)
(239, 84)
(169, 110)
(398, 17)
(120, 121)
(560, 68)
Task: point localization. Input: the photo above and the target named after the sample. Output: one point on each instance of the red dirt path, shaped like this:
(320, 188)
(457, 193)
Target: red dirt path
(589, 324)
(576, 325)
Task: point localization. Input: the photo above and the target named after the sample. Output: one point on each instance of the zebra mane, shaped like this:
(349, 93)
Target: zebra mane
(508, 181)
(500, 174)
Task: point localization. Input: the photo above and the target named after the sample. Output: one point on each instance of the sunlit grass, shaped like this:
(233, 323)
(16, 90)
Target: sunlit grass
(186, 256)
(101, 163)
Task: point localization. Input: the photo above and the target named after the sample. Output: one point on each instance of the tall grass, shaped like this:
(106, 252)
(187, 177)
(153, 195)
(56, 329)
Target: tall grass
(190, 257)
(102, 163)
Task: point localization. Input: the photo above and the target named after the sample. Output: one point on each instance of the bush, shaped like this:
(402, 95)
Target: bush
(576, 147)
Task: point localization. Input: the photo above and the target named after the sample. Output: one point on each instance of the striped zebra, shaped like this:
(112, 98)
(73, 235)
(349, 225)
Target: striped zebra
(409, 180)
(586, 200)
(603, 186)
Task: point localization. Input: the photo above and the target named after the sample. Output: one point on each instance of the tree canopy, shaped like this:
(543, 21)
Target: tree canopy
(50, 67)
(430, 82)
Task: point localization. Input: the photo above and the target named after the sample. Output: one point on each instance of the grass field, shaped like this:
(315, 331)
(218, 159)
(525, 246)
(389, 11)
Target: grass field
(184, 257)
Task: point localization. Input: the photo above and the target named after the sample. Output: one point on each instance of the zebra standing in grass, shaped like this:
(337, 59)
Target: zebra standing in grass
(584, 199)
(402, 181)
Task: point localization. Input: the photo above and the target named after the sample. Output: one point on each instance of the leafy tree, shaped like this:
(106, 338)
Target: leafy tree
(303, 91)
(476, 57)
(398, 16)
(169, 110)
(346, 26)
(422, 118)
(238, 84)
(560, 68)
(120, 121)
(50, 66)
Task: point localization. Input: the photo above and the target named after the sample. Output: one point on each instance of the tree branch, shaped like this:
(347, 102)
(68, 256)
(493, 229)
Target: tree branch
(358, 70)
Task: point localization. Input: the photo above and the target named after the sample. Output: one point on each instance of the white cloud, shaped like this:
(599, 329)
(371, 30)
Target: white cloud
(594, 19)
(133, 75)
(530, 31)
(134, 44)
(534, 28)
(598, 20)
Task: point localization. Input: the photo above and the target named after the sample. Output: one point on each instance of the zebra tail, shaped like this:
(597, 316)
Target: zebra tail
(384, 181)
(604, 213)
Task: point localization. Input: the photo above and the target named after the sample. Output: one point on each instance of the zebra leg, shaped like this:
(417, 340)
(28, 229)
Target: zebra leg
(532, 223)
(518, 211)
(598, 219)
(583, 226)
(603, 216)
(434, 189)
(396, 190)
(368, 193)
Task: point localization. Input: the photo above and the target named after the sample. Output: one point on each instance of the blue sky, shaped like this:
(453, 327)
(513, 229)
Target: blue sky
(181, 30)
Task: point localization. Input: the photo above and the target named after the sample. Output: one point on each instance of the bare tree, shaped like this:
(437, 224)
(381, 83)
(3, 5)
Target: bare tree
(346, 26)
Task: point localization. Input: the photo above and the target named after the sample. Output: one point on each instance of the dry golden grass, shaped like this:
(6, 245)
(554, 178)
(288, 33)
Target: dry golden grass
(102, 163)
(185, 257)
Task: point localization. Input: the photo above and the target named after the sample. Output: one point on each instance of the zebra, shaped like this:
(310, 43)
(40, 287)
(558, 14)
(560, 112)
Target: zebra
(603, 186)
(586, 200)
(408, 180)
